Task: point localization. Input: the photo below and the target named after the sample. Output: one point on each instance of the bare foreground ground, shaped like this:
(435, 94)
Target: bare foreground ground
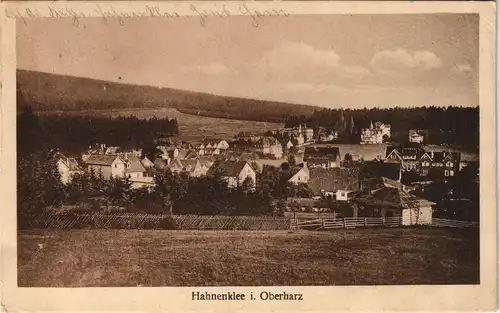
(78, 258)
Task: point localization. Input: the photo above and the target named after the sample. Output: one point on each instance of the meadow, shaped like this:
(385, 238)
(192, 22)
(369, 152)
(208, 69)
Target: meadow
(92, 258)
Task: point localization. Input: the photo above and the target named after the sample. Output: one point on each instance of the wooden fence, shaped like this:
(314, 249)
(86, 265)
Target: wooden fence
(152, 221)
(353, 222)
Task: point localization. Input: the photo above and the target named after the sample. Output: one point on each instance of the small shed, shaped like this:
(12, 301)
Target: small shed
(394, 202)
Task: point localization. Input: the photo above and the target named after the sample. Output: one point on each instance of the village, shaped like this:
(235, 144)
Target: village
(375, 178)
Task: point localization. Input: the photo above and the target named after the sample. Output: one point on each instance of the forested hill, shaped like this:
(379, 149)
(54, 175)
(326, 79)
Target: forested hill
(51, 92)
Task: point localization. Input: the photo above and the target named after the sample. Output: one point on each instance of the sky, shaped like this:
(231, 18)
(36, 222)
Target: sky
(349, 61)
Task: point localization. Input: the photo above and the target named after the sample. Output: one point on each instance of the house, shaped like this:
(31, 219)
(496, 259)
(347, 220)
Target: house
(342, 195)
(327, 181)
(322, 156)
(222, 145)
(171, 152)
(115, 165)
(269, 145)
(416, 135)
(375, 134)
(212, 151)
(466, 157)
(67, 168)
(413, 157)
(446, 162)
(234, 172)
(393, 202)
(410, 155)
(300, 174)
(108, 165)
(194, 167)
(147, 163)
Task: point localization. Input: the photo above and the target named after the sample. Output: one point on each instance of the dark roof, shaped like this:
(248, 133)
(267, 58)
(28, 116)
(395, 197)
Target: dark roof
(376, 169)
(321, 152)
(227, 168)
(71, 163)
(101, 159)
(381, 182)
(160, 163)
(134, 162)
(391, 197)
(268, 141)
(406, 148)
(333, 179)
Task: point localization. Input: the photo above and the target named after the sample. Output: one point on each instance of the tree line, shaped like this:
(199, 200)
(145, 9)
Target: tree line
(72, 134)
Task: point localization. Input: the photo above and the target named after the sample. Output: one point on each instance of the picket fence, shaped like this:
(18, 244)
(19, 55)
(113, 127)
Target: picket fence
(354, 222)
(152, 221)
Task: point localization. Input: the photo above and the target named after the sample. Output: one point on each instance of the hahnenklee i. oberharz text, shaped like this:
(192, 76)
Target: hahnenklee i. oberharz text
(230, 296)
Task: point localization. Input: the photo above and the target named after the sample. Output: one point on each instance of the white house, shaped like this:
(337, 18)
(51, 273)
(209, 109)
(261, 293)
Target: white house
(223, 145)
(147, 163)
(301, 175)
(376, 134)
(115, 165)
(108, 165)
(342, 195)
(67, 168)
(415, 136)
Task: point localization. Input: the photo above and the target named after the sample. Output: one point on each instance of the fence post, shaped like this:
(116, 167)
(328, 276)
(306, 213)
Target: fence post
(383, 220)
(323, 222)
(345, 224)
(365, 221)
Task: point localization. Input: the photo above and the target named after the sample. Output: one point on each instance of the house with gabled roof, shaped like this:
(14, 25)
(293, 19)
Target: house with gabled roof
(194, 167)
(108, 165)
(133, 165)
(68, 167)
(393, 202)
(328, 181)
(299, 174)
(322, 156)
(115, 165)
(269, 145)
(222, 145)
(147, 163)
(234, 172)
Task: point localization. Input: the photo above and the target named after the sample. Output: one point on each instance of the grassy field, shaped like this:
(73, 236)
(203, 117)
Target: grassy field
(58, 258)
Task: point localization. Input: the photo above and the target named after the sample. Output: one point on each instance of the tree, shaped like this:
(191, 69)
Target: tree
(171, 187)
(285, 166)
(38, 181)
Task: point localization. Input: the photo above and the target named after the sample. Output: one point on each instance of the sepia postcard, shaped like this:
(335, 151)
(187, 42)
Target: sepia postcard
(248, 156)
